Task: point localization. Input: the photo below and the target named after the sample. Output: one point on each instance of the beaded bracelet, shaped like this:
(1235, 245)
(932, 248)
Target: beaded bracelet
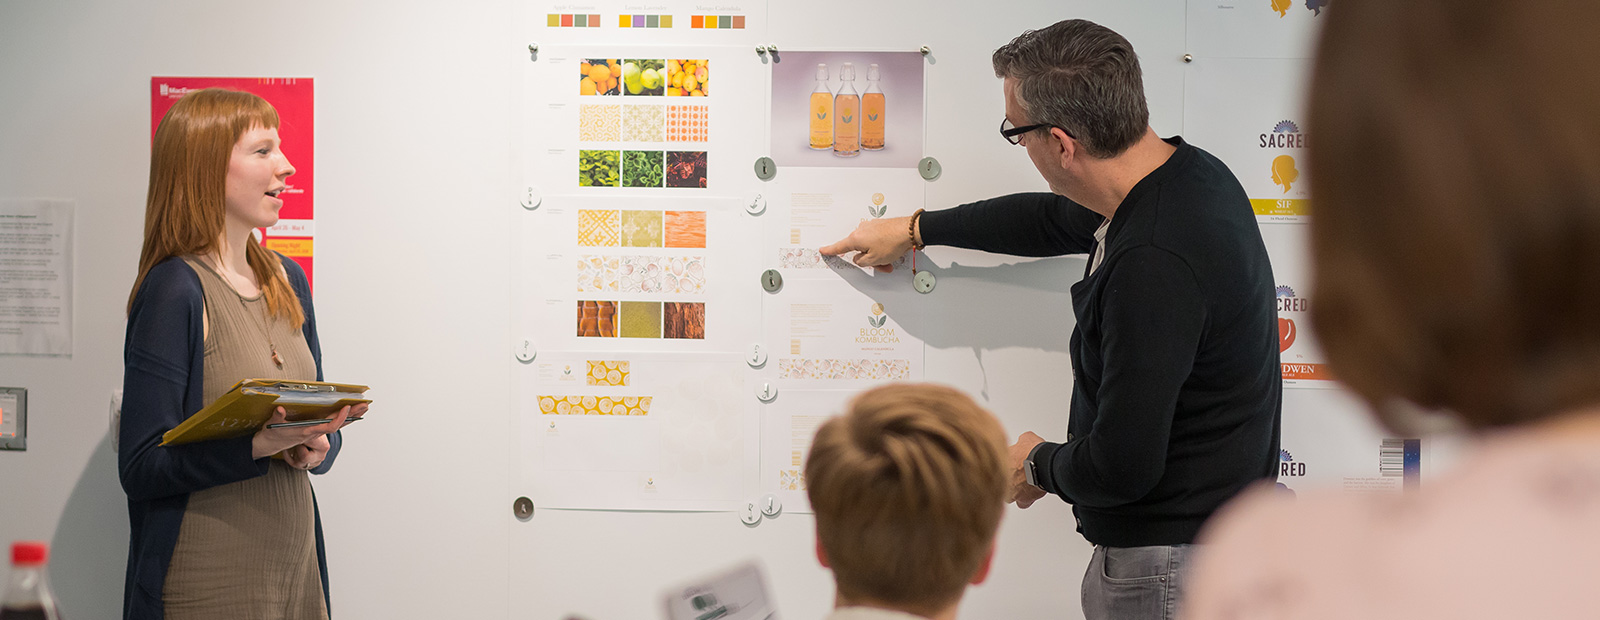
(912, 231)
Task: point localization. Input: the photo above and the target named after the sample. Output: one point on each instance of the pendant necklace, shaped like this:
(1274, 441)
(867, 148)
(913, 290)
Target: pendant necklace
(261, 323)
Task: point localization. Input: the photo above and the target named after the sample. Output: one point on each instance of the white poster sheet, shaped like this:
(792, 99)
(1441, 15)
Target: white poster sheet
(788, 424)
(36, 277)
(838, 333)
(815, 207)
(1254, 28)
(1251, 115)
(637, 431)
(1331, 441)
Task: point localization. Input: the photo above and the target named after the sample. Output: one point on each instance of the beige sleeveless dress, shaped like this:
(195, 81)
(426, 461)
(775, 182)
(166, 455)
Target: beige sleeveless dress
(247, 550)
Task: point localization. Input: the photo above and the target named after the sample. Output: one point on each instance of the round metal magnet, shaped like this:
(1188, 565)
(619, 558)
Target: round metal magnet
(530, 199)
(525, 351)
(771, 280)
(757, 205)
(522, 508)
(766, 169)
(766, 393)
(929, 168)
(771, 505)
(757, 356)
(750, 514)
(923, 282)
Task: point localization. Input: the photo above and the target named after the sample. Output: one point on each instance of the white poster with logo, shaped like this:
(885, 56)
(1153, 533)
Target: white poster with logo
(1331, 441)
(637, 431)
(1251, 114)
(1254, 28)
(1304, 365)
(849, 332)
(810, 208)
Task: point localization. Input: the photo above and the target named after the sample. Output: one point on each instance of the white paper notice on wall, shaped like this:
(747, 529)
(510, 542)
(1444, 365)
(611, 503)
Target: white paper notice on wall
(36, 277)
(637, 431)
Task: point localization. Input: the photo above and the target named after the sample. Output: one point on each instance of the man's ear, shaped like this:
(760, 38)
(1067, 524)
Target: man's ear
(983, 568)
(822, 555)
(1068, 146)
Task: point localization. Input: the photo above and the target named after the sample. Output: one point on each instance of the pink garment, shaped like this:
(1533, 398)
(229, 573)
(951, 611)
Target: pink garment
(1512, 532)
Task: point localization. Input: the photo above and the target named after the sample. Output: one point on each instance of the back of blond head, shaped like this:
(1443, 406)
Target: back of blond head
(908, 488)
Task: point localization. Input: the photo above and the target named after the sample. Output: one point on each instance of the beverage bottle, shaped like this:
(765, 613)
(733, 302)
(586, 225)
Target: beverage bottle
(820, 112)
(872, 111)
(28, 595)
(847, 115)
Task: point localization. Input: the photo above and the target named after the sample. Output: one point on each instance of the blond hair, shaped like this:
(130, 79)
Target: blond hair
(185, 208)
(908, 487)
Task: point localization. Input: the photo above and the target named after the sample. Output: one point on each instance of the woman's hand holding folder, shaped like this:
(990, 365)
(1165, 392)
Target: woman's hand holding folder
(305, 446)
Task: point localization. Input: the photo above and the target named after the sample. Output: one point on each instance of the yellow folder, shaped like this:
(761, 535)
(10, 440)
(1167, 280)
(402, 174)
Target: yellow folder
(248, 406)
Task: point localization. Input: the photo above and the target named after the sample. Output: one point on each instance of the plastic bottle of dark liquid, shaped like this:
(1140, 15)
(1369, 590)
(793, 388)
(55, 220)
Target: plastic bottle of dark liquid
(28, 595)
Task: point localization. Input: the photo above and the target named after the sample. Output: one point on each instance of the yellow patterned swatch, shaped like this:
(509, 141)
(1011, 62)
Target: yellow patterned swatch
(608, 372)
(599, 228)
(594, 405)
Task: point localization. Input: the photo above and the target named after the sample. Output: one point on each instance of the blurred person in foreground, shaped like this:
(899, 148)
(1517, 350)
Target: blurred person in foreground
(908, 487)
(1457, 268)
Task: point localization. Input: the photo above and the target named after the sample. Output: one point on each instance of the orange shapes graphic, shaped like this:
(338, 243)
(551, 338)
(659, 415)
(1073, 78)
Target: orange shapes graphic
(1284, 173)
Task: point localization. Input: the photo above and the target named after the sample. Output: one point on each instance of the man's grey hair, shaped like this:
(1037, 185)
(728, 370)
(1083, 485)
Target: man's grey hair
(1082, 77)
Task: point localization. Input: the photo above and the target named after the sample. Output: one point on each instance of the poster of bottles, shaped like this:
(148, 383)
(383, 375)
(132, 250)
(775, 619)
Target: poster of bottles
(847, 109)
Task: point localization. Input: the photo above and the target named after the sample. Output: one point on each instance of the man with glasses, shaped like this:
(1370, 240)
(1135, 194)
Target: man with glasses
(1177, 387)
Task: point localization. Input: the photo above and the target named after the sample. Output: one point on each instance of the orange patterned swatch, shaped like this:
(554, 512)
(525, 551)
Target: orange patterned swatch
(688, 123)
(686, 229)
(597, 319)
(594, 405)
(599, 228)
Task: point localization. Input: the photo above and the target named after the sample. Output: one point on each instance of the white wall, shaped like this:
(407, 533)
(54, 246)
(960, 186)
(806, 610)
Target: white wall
(413, 104)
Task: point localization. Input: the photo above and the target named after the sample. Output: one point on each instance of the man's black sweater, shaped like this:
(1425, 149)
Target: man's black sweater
(1177, 389)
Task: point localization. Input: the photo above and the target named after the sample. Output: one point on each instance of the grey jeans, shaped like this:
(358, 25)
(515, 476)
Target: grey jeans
(1134, 583)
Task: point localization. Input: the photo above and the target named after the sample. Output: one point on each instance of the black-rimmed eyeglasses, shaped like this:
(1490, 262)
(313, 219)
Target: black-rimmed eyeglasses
(1013, 134)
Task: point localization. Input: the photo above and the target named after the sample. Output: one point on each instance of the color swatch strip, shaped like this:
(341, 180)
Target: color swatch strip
(644, 21)
(642, 319)
(568, 20)
(735, 22)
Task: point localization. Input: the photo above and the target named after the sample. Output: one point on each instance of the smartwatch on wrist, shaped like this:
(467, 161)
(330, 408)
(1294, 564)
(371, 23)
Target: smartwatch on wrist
(1030, 470)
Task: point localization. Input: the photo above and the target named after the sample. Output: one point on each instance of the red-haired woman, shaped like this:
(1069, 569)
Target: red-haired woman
(220, 529)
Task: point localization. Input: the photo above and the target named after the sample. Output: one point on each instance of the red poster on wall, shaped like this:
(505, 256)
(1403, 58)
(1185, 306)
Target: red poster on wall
(295, 232)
